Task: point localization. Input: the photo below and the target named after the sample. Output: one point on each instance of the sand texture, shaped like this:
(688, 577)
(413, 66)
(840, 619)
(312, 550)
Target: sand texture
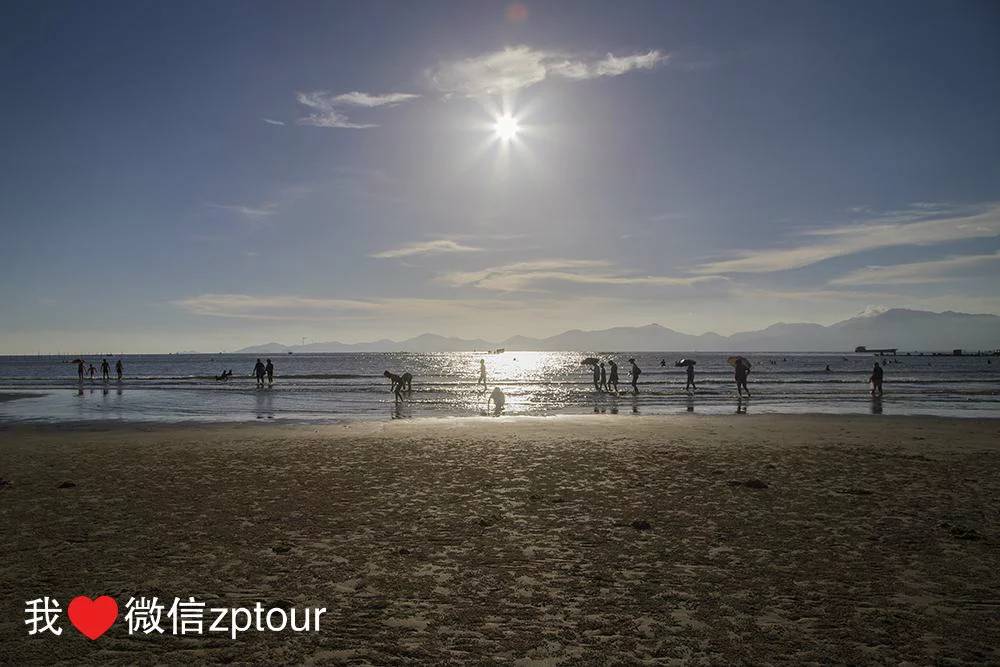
(591, 540)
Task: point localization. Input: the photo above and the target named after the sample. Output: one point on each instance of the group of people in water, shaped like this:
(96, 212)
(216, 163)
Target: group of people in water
(607, 379)
(82, 370)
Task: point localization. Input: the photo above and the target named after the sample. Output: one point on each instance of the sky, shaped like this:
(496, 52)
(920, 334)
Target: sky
(207, 176)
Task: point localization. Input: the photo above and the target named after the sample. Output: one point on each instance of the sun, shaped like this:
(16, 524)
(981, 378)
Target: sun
(506, 127)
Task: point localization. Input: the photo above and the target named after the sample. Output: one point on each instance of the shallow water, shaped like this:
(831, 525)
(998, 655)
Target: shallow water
(329, 387)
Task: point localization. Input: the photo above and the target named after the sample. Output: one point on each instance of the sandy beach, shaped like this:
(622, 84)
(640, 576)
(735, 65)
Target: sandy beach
(576, 540)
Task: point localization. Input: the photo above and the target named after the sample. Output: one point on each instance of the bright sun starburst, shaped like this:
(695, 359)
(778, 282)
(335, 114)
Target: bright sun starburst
(506, 127)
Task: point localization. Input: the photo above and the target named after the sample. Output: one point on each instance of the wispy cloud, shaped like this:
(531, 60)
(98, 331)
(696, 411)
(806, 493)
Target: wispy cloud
(518, 67)
(251, 212)
(916, 273)
(898, 229)
(244, 306)
(327, 114)
(271, 121)
(359, 99)
(438, 246)
(525, 276)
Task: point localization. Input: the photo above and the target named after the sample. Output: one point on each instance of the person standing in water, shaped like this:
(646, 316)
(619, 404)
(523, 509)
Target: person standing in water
(690, 379)
(105, 370)
(398, 382)
(597, 378)
(80, 369)
(498, 399)
(635, 372)
(613, 376)
(269, 369)
(482, 374)
(604, 378)
(119, 369)
(876, 379)
(741, 373)
(258, 372)
(92, 372)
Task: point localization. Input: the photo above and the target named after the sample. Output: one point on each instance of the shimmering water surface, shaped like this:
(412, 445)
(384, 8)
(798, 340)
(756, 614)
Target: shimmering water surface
(330, 387)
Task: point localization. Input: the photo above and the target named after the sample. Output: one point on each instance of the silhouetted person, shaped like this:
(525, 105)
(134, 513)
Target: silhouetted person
(105, 370)
(597, 377)
(604, 378)
(741, 373)
(80, 369)
(635, 372)
(269, 369)
(613, 376)
(663, 362)
(498, 399)
(398, 383)
(92, 372)
(119, 369)
(690, 379)
(828, 368)
(482, 374)
(258, 371)
(876, 380)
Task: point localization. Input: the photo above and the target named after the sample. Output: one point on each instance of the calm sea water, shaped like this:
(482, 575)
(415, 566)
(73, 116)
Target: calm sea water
(329, 387)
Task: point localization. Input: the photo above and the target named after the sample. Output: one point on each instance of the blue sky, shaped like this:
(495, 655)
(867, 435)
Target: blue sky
(212, 175)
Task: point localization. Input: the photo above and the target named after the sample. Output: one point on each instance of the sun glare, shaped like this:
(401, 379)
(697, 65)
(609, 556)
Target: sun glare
(506, 127)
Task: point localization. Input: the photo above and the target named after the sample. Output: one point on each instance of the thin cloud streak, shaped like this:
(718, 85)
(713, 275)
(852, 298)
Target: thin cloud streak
(916, 273)
(271, 121)
(518, 67)
(253, 212)
(522, 276)
(852, 239)
(327, 114)
(360, 99)
(425, 248)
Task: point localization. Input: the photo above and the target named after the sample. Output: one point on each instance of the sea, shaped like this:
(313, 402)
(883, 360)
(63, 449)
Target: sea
(351, 386)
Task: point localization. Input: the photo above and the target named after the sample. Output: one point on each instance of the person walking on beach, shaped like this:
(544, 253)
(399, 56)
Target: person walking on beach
(258, 371)
(269, 369)
(482, 375)
(741, 373)
(80, 368)
(498, 399)
(876, 380)
(604, 378)
(119, 369)
(635, 372)
(92, 372)
(613, 376)
(105, 370)
(398, 382)
(690, 379)
(597, 377)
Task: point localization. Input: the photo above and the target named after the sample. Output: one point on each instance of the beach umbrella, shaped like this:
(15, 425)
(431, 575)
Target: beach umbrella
(76, 361)
(737, 361)
(590, 361)
(685, 362)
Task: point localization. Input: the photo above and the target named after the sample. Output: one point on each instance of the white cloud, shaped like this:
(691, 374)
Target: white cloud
(359, 99)
(326, 114)
(518, 67)
(426, 248)
(271, 121)
(897, 230)
(243, 306)
(916, 273)
(523, 276)
(252, 212)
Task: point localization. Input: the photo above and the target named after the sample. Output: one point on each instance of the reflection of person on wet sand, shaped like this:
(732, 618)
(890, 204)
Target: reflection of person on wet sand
(482, 374)
(399, 383)
(498, 399)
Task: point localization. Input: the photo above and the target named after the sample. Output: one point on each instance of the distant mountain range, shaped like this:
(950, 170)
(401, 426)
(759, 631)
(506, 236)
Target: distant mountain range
(915, 330)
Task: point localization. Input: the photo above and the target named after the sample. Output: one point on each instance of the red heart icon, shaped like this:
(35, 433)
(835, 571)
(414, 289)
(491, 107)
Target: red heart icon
(92, 617)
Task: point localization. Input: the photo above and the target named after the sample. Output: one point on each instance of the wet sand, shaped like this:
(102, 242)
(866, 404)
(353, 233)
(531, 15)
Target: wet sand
(754, 539)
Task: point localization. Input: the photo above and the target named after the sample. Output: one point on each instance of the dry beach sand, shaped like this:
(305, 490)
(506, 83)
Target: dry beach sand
(658, 540)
